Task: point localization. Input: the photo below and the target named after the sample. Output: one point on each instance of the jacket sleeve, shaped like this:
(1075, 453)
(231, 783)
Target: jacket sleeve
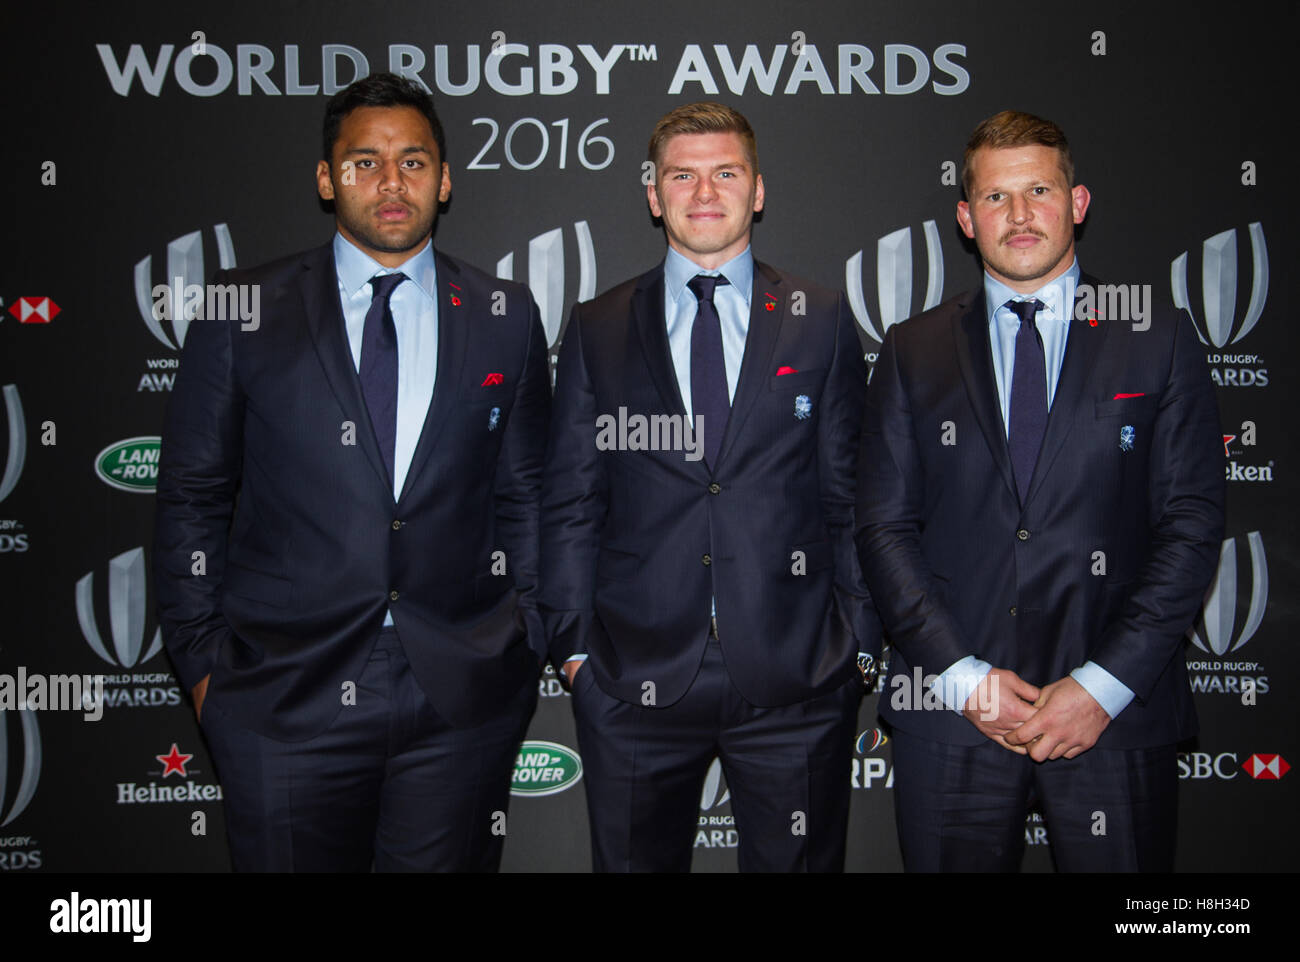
(1185, 504)
(891, 488)
(574, 503)
(519, 474)
(198, 481)
(839, 437)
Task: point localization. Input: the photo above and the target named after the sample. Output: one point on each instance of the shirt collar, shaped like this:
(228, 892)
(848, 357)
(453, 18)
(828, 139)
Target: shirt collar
(355, 267)
(1055, 294)
(679, 269)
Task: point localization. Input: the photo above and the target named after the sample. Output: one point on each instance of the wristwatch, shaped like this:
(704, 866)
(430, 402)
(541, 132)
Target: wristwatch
(870, 669)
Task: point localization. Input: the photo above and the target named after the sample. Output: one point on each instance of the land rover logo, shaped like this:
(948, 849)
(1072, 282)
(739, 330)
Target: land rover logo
(544, 768)
(130, 465)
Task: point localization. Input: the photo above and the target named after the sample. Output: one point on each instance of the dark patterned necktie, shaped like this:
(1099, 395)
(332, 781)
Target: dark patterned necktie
(1028, 418)
(709, 397)
(379, 365)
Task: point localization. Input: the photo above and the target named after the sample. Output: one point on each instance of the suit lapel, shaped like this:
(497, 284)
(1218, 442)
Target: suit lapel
(648, 317)
(319, 286)
(1082, 349)
(975, 358)
(760, 343)
(453, 336)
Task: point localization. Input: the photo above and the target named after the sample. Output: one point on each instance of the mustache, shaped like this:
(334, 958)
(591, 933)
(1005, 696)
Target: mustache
(1021, 233)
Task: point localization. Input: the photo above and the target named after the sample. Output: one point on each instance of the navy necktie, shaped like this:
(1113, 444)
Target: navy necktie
(379, 365)
(1028, 419)
(709, 397)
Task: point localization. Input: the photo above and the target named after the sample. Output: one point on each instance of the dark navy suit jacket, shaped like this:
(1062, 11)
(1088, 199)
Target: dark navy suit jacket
(1107, 560)
(306, 548)
(636, 543)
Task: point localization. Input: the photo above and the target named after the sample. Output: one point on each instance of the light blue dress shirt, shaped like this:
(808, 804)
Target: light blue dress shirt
(954, 686)
(732, 303)
(414, 304)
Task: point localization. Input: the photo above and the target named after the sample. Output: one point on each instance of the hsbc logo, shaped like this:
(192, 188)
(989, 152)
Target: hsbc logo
(1268, 768)
(894, 279)
(17, 432)
(1216, 629)
(546, 274)
(1198, 766)
(126, 611)
(184, 268)
(34, 310)
(20, 762)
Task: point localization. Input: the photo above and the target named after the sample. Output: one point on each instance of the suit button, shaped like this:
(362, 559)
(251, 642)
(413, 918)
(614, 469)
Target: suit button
(706, 561)
(393, 596)
(1012, 612)
(1022, 534)
(715, 488)
(397, 525)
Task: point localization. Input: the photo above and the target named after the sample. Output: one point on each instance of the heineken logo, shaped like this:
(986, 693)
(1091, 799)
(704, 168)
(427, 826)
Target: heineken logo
(544, 768)
(130, 465)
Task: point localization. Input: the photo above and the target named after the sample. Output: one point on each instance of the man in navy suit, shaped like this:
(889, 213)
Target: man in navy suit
(1040, 512)
(698, 571)
(347, 524)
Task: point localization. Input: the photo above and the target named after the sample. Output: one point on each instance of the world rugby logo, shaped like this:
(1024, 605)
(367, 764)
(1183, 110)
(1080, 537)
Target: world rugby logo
(126, 611)
(1215, 630)
(715, 791)
(894, 279)
(1217, 324)
(546, 274)
(17, 452)
(20, 762)
(184, 268)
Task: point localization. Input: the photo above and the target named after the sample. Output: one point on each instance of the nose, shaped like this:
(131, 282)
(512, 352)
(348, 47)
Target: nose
(705, 191)
(390, 176)
(1018, 211)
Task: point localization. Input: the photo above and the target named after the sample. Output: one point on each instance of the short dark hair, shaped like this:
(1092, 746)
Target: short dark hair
(379, 90)
(702, 118)
(1015, 128)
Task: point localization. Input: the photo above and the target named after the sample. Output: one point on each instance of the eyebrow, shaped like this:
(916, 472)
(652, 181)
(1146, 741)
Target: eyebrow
(373, 150)
(729, 165)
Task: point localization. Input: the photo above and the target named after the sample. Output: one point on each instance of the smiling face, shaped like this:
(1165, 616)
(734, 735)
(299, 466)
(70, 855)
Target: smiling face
(1021, 214)
(385, 202)
(706, 192)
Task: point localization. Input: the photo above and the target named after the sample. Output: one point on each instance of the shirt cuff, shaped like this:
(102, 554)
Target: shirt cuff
(954, 686)
(575, 658)
(1110, 693)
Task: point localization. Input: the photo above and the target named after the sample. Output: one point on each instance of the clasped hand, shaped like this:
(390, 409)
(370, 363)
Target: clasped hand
(1060, 720)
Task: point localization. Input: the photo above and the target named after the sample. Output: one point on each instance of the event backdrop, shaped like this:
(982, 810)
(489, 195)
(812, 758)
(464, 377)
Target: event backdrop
(146, 143)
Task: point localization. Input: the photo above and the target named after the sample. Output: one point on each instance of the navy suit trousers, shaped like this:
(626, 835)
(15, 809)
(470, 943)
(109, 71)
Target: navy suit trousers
(388, 786)
(787, 769)
(962, 808)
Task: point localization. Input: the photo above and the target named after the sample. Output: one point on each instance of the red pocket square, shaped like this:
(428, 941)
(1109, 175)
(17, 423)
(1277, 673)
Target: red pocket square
(492, 378)
(786, 370)
(1120, 397)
